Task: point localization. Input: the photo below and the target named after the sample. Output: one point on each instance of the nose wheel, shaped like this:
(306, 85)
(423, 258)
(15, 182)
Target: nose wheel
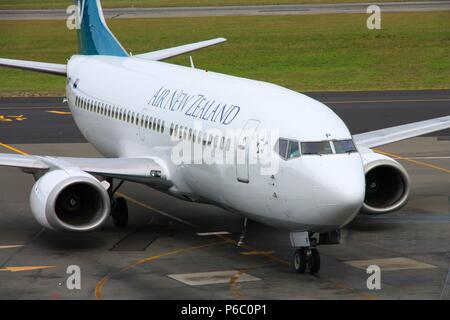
(307, 258)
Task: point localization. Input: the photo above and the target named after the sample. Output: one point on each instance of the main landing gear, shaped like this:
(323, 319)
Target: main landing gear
(119, 212)
(306, 256)
(119, 207)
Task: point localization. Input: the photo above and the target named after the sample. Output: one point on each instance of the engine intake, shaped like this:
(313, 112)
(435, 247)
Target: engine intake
(387, 185)
(68, 200)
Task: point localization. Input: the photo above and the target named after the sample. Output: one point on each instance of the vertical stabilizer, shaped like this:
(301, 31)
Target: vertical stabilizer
(94, 36)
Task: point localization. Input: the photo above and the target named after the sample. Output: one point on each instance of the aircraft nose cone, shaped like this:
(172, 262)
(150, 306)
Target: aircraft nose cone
(339, 190)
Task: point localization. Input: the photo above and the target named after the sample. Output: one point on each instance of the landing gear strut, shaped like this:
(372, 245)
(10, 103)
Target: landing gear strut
(119, 207)
(119, 212)
(244, 232)
(306, 255)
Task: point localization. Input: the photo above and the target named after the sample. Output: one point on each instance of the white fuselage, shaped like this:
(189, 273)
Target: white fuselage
(308, 193)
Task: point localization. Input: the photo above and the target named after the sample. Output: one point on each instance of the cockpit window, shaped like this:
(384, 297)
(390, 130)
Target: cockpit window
(344, 146)
(320, 147)
(281, 147)
(293, 150)
(288, 149)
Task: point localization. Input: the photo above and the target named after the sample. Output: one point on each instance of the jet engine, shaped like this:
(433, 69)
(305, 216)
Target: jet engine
(70, 200)
(387, 184)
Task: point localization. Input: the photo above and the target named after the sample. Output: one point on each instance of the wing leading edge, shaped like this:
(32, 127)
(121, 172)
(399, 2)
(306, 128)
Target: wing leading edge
(52, 68)
(385, 136)
(141, 170)
(176, 51)
(61, 69)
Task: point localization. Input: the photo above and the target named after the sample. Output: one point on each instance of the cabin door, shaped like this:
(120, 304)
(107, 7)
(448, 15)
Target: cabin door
(244, 140)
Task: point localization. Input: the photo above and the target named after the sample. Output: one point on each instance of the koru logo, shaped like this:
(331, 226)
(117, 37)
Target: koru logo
(374, 20)
(374, 280)
(74, 280)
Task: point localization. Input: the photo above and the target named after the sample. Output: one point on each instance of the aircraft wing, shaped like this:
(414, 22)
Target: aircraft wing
(176, 51)
(141, 170)
(61, 69)
(385, 136)
(52, 68)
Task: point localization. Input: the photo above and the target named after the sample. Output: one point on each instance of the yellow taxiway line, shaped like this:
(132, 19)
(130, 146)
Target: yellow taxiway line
(25, 268)
(420, 163)
(62, 113)
(11, 148)
(105, 279)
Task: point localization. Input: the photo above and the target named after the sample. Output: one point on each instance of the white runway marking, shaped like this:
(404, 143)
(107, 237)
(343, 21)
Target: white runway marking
(215, 277)
(391, 264)
(11, 246)
(217, 233)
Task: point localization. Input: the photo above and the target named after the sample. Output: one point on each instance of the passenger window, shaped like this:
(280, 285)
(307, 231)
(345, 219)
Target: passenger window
(210, 140)
(216, 138)
(293, 150)
(180, 133)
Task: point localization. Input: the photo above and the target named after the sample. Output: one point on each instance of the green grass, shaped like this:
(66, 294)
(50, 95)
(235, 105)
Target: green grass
(304, 53)
(58, 4)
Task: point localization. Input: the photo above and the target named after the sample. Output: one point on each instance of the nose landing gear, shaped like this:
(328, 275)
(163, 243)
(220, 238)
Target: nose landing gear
(307, 258)
(306, 255)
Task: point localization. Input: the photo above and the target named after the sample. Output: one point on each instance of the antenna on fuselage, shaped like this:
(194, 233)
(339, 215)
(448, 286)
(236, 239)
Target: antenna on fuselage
(192, 62)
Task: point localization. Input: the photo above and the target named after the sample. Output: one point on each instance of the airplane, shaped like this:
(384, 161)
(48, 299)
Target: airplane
(137, 109)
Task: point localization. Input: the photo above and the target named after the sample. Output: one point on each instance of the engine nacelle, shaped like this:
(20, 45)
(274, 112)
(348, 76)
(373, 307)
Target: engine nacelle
(387, 184)
(70, 200)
